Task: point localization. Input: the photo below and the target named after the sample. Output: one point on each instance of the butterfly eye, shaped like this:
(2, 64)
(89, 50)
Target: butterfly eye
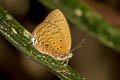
(70, 55)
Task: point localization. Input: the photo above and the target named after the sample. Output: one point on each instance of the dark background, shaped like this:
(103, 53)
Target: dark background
(94, 61)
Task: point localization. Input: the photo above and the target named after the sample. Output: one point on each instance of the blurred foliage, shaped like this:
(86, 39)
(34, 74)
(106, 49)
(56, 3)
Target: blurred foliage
(83, 17)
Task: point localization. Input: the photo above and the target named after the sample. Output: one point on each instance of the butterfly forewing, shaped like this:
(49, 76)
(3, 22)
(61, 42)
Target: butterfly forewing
(53, 35)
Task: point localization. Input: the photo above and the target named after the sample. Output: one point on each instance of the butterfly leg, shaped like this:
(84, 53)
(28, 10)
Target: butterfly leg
(50, 60)
(65, 62)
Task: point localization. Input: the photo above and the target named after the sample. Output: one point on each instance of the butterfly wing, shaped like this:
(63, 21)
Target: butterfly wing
(53, 35)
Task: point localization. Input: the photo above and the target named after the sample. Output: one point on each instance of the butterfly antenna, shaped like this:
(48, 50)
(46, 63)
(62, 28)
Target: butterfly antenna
(81, 44)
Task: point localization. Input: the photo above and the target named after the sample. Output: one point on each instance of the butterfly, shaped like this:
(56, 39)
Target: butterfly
(52, 36)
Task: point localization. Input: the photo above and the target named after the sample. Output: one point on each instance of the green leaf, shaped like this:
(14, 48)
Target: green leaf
(88, 20)
(18, 36)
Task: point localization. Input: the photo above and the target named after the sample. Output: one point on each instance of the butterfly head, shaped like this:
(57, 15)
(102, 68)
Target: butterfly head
(70, 55)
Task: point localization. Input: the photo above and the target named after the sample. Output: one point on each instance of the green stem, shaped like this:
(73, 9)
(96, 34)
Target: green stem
(88, 20)
(18, 36)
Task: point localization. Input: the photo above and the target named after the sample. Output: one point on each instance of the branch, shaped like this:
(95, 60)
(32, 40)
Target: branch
(18, 36)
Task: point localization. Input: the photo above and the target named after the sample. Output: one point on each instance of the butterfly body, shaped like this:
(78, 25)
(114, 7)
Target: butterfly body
(52, 36)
